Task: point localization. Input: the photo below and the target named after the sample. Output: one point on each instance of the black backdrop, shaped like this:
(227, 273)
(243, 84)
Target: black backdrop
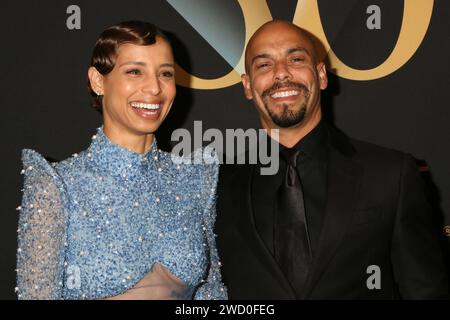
(45, 104)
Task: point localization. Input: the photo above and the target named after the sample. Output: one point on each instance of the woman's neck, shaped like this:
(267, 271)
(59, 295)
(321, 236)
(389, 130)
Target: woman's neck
(139, 143)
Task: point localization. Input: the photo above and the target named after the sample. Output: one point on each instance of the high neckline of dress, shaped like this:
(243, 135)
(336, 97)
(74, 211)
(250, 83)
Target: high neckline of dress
(118, 160)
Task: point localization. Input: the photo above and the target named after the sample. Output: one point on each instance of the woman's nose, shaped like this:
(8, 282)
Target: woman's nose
(152, 85)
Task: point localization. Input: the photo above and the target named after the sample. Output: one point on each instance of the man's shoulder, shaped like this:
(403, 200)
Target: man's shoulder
(374, 152)
(381, 168)
(366, 152)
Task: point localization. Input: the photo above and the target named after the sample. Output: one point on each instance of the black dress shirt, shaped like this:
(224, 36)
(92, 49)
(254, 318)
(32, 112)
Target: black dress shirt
(312, 169)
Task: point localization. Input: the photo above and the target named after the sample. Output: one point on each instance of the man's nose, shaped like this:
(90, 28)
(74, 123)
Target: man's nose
(282, 72)
(152, 85)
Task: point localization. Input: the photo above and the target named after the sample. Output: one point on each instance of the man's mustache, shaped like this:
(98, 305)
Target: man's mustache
(286, 84)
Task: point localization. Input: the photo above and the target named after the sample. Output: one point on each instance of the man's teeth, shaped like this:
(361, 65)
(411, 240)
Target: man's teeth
(283, 94)
(148, 106)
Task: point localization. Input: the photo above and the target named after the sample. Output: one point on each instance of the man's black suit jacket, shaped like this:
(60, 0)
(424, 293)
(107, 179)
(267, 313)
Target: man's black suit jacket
(377, 214)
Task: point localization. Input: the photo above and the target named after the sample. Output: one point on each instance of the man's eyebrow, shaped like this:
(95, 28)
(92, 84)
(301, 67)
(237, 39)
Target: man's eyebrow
(298, 49)
(260, 56)
(289, 51)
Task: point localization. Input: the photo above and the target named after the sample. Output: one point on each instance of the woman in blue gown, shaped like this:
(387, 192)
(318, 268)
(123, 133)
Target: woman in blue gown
(121, 219)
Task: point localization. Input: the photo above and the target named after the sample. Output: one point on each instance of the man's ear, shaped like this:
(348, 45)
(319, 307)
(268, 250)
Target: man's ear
(323, 79)
(247, 87)
(96, 80)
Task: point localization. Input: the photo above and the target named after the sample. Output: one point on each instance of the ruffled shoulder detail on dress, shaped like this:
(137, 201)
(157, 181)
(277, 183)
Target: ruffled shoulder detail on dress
(34, 161)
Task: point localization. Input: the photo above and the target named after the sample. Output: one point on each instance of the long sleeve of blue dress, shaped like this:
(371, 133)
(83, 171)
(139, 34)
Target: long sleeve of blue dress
(42, 231)
(213, 288)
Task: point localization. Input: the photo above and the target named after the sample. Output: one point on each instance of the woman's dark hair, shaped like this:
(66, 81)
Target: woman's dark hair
(105, 50)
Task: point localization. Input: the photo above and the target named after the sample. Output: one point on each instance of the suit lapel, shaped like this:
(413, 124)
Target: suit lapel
(246, 225)
(344, 176)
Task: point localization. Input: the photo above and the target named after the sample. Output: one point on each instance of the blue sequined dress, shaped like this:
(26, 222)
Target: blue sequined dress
(95, 224)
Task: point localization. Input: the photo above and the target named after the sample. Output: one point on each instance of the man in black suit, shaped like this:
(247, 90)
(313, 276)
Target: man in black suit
(342, 219)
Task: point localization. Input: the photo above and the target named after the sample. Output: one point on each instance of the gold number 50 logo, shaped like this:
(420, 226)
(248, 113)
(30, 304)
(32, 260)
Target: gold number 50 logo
(416, 19)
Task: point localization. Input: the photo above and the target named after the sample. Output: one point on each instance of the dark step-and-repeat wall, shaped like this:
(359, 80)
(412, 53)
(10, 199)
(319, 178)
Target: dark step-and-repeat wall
(388, 63)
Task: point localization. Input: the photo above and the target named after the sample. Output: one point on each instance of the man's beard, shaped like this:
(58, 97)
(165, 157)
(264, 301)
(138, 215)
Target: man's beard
(287, 118)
